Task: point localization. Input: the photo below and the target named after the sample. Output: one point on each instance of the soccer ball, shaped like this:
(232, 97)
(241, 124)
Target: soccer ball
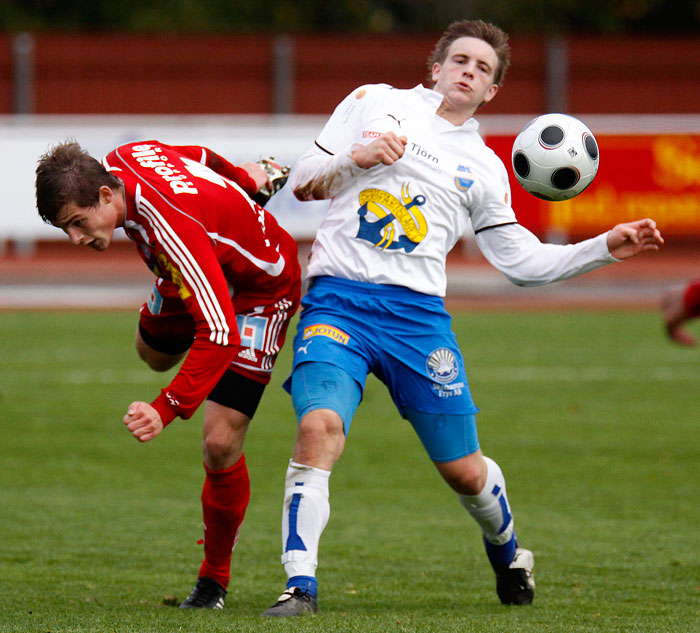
(555, 157)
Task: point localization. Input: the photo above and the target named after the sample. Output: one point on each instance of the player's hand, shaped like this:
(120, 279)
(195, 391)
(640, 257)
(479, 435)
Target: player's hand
(385, 150)
(257, 173)
(632, 238)
(143, 421)
(276, 176)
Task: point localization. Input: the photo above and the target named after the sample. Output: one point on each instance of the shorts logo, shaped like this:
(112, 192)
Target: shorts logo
(326, 330)
(252, 329)
(155, 301)
(248, 354)
(442, 366)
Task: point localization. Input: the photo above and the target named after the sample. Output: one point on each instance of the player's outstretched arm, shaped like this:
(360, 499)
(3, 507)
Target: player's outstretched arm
(632, 238)
(320, 175)
(143, 421)
(385, 150)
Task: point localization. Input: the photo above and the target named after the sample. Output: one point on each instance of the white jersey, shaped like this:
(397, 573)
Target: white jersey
(395, 224)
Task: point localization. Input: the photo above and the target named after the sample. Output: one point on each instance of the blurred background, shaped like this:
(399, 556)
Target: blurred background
(252, 79)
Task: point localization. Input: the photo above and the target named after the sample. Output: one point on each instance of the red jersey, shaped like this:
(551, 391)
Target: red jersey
(188, 211)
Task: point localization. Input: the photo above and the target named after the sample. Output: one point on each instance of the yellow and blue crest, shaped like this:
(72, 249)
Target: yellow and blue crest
(464, 178)
(389, 208)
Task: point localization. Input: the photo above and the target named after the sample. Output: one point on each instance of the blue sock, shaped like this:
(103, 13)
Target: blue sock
(500, 556)
(305, 583)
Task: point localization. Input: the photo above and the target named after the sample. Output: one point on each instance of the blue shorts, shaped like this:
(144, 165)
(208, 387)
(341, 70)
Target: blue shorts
(403, 337)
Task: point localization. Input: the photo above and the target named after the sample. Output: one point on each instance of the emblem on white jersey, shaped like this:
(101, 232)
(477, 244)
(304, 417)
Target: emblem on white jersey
(442, 365)
(389, 210)
(398, 121)
(464, 178)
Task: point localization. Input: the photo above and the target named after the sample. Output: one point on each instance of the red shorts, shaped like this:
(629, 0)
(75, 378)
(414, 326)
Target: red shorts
(166, 326)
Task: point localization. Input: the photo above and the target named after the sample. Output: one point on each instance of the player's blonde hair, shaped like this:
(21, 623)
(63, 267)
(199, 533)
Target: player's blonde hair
(490, 33)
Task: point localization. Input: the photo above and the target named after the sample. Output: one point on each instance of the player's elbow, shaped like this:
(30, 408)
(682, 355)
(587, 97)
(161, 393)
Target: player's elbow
(306, 192)
(302, 193)
(316, 189)
(524, 282)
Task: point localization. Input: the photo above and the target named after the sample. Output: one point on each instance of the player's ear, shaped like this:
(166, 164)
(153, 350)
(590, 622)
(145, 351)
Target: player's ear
(435, 72)
(490, 93)
(106, 194)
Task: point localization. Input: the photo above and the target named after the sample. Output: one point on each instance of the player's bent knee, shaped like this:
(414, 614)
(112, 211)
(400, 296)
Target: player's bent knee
(466, 476)
(320, 424)
(325, 398)
(215, 449)
(223, 435)
(320, 439)
(219, 452)
(323, 392)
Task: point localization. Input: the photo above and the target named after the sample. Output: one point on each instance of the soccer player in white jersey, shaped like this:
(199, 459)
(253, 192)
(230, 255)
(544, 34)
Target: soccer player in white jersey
(405, 170)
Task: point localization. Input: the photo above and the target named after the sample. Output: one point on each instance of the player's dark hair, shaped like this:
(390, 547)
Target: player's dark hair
(490, 33)
(67, 174)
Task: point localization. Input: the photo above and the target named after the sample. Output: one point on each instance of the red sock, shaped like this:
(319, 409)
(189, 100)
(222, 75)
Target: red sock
(225, 497)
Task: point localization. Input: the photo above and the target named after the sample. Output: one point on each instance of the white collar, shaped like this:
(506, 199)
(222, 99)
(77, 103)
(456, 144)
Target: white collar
(434, 99)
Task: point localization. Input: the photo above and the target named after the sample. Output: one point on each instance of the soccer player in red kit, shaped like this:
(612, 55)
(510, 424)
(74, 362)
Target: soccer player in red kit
(228, 281)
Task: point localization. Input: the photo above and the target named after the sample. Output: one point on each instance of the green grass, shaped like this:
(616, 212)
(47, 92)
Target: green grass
(593, 417)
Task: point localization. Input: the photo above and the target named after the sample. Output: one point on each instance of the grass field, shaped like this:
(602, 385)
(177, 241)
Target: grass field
(593, 417)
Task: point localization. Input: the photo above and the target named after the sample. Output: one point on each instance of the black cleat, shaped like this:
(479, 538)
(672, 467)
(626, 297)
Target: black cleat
(516, 584)
(294, 601)
(207, 594)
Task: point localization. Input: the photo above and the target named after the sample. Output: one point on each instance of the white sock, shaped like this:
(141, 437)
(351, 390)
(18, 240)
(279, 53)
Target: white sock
(490, 508)
(304, 517)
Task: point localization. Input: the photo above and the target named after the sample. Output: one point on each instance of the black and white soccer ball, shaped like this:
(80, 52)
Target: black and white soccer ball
(555, 157)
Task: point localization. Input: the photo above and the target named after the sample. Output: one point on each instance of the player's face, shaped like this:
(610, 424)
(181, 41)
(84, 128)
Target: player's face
(465, 78)
(90, 226)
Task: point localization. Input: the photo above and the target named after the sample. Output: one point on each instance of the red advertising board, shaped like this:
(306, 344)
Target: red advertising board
(650, 175)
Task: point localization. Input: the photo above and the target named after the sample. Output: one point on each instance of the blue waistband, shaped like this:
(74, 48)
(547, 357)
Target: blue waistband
(326, 282)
